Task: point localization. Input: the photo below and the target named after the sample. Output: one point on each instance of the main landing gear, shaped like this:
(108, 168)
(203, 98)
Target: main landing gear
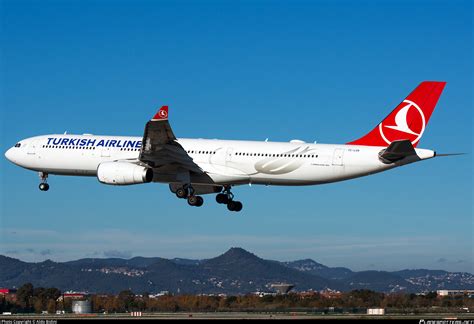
(43, 186)
(227, 197)
(187, 192)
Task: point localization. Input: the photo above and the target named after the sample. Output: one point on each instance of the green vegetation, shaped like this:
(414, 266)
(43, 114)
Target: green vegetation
(36, 300)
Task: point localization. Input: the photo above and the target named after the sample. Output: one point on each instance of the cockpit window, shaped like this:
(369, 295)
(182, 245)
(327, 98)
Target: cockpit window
(17, 144)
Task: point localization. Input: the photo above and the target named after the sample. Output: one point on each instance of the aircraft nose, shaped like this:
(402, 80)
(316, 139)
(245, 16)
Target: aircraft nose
(9, 155)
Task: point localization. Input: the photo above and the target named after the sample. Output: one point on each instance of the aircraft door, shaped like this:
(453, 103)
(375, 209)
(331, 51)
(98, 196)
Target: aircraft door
(338, 157)
(228, 155)
(105, 152)
(32, 147)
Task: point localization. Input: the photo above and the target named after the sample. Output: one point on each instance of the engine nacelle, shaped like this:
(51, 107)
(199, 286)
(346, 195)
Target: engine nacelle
(123, 173)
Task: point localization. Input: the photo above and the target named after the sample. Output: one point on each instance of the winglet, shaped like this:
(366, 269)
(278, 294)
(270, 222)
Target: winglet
(162, 114)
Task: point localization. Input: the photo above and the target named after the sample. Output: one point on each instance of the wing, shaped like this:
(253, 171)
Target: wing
(160, 148)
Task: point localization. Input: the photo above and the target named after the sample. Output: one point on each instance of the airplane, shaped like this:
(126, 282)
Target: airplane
(195, 167)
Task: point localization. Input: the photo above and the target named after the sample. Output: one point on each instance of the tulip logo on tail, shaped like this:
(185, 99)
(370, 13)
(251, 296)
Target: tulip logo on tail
(163, 114)
(409, 120)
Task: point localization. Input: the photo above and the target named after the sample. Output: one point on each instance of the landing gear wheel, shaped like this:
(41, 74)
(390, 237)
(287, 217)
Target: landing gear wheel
(222, 198)
(200, 201)
(181, 193)
(234, 206)
(195, 201)
(231, 205)
(192, 200)
(238, 206)
(43, 186)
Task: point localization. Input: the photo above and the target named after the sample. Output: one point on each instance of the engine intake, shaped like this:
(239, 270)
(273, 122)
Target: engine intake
(123, 173)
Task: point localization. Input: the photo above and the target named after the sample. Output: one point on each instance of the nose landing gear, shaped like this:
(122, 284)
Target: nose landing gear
(43, 186)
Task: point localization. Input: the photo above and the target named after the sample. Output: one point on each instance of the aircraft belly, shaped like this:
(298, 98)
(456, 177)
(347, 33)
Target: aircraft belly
(228, 174)
(56, 163)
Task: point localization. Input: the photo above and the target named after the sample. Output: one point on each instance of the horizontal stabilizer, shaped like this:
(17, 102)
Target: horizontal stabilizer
(397, 150)
(450, 154)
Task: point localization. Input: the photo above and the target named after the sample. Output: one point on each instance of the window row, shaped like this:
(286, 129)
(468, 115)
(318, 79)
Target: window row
(200, 152)
(258, 154)
(70, 147)
(129, 149)
(84, 147)
(278, 155)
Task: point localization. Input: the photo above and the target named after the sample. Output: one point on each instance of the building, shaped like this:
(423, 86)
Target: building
(72, 295)
(8, 294)
(7, 291)
(453, 292)
(81, 307)
(375, 311)
(263, 294)
(282, 288)
(329, 293)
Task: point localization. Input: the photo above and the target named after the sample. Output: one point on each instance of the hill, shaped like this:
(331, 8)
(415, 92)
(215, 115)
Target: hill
(237, 271)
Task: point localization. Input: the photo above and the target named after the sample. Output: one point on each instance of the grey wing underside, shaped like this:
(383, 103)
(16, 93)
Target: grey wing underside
(160, 150)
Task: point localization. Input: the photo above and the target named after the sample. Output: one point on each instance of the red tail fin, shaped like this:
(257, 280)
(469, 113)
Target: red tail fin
(408, 120)
(162, 114)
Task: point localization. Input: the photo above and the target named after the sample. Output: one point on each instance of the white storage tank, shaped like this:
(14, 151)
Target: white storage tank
(81, 307)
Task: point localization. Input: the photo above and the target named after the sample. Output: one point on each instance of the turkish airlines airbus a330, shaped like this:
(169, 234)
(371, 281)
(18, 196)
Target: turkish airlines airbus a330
(193, 167)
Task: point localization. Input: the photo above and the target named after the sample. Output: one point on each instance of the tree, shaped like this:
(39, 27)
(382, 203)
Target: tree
(52, 293)
(24, 295)
(38, 305)
(125, 300)
(51, 308)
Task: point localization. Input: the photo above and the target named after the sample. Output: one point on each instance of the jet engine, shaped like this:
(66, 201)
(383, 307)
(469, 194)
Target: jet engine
(123, 173)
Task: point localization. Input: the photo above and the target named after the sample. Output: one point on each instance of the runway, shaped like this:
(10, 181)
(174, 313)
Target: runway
(18, 318)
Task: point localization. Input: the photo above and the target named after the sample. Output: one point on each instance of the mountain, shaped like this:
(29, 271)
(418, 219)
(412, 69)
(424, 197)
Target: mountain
(418, 280)
(237, 271)
(378, 281)
(313, 267)
(186, 261)
(115, 262)
(437, 279)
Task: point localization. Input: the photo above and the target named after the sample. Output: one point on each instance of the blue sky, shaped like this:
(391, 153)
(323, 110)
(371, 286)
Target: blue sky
(312, 70)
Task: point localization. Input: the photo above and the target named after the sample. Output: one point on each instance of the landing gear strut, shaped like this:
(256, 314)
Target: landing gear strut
(187, 192)
(227, 197)
(43, 186)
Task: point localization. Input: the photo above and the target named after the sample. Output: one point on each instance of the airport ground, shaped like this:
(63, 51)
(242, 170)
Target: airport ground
(22, 318)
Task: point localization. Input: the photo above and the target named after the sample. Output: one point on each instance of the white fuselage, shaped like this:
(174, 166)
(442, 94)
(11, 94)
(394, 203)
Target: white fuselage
(224, 162)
